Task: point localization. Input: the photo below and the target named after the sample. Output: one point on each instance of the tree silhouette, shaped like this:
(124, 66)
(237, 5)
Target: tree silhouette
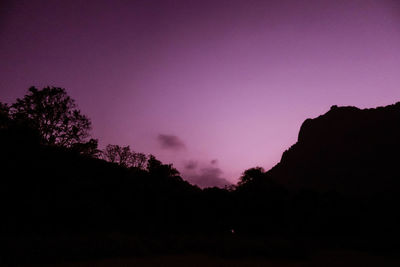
(54, 114)
(251, 175)
(110, 153)
(117, 154)
(88, 148)
(138, 160)
(124, 156)
(155, 166)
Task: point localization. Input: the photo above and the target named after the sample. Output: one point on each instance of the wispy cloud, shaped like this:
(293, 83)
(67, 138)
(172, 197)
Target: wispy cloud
(170, 142)
(209, 176)
(190, 165)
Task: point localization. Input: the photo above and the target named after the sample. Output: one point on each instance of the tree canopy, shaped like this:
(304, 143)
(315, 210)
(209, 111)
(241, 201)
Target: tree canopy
(124, 156)
(54, 114)
(155, 166)
(251, 175)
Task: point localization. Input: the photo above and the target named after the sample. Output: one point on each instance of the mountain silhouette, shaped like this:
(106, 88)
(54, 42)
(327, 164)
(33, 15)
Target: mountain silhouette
(346, 150)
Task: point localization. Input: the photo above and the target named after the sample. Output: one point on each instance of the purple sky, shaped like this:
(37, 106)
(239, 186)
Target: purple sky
(214, 87)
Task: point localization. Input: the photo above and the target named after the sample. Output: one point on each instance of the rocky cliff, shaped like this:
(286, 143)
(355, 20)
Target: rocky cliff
(348, 150)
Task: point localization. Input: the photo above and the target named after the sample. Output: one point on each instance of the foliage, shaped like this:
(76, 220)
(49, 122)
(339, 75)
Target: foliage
(251, 175)
(155, 166)
(88, 148)
(124, 156)
(54, 114)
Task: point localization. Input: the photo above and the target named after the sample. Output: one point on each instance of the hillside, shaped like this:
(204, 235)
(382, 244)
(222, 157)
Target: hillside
(348, 150)
(337, 187)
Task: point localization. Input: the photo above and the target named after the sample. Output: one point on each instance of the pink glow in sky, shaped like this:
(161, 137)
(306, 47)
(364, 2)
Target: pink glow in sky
(229, 82)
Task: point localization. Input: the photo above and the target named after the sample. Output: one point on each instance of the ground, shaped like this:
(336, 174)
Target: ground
(321, 259)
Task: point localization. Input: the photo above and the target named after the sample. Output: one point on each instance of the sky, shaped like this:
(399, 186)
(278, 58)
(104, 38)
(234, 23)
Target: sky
(214, 87)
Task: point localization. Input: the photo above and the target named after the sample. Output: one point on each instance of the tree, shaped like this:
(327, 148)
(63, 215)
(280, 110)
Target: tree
(110, 153)
(154, 166)
(88, 148)
(55, 115)
(256, 182)
(117, 154)
(124, 156)
(138, 160)
(251, 175)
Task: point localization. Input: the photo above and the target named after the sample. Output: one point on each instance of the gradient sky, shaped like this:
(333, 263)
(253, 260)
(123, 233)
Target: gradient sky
(213, 87)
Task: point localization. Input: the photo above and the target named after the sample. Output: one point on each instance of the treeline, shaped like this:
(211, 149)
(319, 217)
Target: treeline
(54, 177)
(55, 181)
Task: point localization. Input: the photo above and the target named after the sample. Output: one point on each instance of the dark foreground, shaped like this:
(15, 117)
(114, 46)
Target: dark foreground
(331, 201)
(196, 250)
(323, 258)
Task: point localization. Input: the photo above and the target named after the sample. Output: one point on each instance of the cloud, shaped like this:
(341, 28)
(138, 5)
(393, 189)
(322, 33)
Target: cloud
(209, 176)
(190, 165)
(170, 142)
